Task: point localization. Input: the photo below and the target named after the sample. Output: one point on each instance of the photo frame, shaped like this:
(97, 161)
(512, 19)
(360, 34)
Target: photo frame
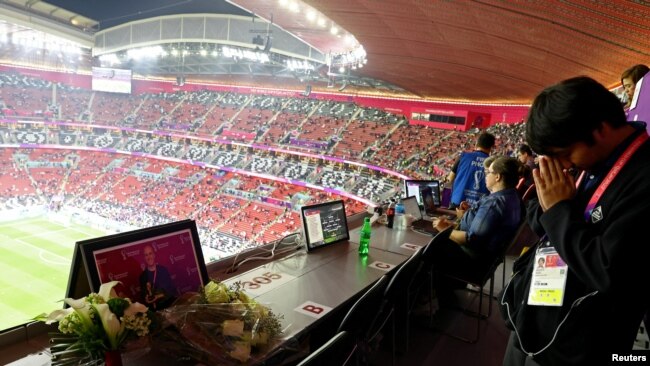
(154, 265)
(78, 282)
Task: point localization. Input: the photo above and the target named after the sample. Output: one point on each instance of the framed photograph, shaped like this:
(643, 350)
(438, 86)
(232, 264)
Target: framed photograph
(154, 265)
(78, 281)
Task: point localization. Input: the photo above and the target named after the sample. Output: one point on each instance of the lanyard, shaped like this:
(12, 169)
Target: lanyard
(620, 163)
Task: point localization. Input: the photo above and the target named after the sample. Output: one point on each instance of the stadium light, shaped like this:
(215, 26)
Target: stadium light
(353, 58)
(110, 59)
(144, 52)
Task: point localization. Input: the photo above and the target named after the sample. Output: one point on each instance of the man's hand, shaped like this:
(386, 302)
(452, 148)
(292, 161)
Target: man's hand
(552, 182)
(460, 210)
(441, 223)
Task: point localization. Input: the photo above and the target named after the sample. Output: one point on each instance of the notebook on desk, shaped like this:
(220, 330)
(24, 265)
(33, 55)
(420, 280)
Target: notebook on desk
(420, 223)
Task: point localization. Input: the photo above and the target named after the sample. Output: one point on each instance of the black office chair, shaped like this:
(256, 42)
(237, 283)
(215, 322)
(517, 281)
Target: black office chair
(427, 268)
(515, 241)
(359, 320)
(398, 299)
(337, 351)
(479, 280)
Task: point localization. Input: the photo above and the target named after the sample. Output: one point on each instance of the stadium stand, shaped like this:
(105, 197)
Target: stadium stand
(147, 191)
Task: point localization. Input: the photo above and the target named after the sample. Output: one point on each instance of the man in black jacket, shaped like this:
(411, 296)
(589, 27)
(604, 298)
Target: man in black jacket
(578, 309)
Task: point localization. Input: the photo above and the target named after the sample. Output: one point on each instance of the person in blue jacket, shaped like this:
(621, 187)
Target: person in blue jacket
(467, 176)
(483, 227)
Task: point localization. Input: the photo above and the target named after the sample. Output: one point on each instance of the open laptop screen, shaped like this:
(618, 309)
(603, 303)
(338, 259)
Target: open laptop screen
(428, 201)
(412, 188)
(411, 207)
(324, 224)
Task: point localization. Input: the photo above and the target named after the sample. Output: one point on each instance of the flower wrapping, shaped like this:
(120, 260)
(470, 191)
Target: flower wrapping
(218, 325)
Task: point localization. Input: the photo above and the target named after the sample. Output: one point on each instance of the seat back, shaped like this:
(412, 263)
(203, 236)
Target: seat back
(363, 312)
(483, 277)
(337, 351)
(427, 252)
(401, 280)
(398, 295)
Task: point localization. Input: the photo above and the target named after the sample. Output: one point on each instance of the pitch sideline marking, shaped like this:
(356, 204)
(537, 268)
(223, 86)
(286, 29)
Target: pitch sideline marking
(41, 250)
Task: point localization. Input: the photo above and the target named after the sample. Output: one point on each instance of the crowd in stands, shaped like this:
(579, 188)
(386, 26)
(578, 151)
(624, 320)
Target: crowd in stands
(340, 129)
(145, 192)
(114, 186)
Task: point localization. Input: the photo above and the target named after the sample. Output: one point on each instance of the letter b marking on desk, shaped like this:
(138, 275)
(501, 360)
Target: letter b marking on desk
(313, 309)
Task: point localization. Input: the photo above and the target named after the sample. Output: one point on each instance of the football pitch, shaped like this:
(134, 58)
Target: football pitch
(35, 257)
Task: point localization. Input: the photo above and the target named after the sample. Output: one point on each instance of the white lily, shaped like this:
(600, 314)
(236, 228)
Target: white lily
(83, 317)
(111, 324)
(106, 290)
(82, 308)
(55, 316)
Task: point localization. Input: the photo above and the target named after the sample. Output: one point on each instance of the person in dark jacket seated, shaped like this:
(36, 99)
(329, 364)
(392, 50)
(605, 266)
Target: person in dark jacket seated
(484, 227)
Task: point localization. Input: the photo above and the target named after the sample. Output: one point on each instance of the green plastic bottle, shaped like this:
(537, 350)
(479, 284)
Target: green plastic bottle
(364, 239)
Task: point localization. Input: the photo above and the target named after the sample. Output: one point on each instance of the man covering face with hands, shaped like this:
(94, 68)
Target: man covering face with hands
(577, 309)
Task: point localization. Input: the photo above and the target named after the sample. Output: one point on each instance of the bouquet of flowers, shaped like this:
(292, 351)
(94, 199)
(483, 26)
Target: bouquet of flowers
(95, 324)
(219, 325)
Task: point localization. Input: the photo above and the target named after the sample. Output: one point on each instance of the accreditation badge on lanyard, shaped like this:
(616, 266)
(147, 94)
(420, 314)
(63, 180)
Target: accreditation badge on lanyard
(549, 277)
(550, 272)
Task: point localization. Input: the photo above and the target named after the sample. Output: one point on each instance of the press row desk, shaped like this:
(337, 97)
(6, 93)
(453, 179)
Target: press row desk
(316, 287)
(393, 240)
(332, 276)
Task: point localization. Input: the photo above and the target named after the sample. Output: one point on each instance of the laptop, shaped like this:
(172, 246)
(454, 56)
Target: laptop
(414, 187)
(429, 203)
(420, 223)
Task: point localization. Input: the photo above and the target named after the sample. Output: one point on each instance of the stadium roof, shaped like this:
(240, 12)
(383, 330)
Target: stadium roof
(497, 51)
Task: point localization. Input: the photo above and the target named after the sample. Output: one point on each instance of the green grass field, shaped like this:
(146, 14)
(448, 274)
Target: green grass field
(35, 257)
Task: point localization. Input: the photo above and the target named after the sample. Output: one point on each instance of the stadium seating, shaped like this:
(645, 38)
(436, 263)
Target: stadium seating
(146, 191)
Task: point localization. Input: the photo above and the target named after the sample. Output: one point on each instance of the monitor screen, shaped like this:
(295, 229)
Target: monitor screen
(412, 207)
(324, 223)
(412, 188)
(427, 200)
(111, 80)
